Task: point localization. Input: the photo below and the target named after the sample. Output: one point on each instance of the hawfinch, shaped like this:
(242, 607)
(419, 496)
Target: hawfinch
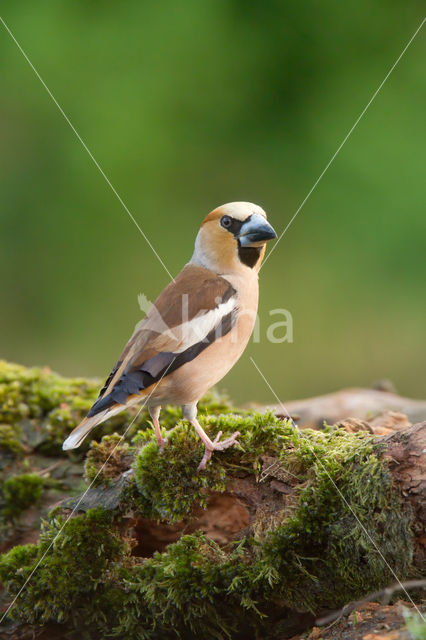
(196, 329)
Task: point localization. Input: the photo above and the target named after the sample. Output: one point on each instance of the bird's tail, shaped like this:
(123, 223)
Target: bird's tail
(77, 436)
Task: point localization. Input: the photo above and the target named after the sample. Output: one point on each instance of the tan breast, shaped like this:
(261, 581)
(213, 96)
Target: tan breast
(191, 381)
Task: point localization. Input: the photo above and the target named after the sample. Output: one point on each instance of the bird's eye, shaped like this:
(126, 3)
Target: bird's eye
(226, 222)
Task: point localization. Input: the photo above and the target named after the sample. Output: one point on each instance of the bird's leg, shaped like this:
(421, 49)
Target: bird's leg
(212, 445)
(154, 412)
(190, 413)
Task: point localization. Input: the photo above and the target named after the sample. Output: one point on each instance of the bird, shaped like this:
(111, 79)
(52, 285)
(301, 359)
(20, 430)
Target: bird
(196, 329)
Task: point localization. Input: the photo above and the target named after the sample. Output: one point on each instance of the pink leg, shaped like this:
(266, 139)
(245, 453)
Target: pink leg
(155, 414)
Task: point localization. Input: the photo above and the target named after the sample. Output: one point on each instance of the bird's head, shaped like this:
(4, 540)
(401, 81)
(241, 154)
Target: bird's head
(233, 238)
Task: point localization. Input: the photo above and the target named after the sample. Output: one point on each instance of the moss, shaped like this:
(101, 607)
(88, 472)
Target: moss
(10, 440)
(48, 406)
(192, 589)
(312, 554)
(21, 492)
(324, 550)
(161, 497)
(75, 569)
(113, 455)
(107, 459)
(14, 563)
(30, 393)
(317, 553)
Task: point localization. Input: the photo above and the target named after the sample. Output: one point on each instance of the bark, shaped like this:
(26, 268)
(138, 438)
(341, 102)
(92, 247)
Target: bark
(406, 452)
(357, 403)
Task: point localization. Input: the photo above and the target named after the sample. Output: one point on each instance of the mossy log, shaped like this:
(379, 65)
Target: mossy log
(283, 527)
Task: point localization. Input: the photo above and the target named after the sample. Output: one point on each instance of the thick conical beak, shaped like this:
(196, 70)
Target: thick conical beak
(256, 231)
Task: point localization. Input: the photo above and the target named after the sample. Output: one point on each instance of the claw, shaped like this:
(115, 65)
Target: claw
(204, 460)
(217, 445)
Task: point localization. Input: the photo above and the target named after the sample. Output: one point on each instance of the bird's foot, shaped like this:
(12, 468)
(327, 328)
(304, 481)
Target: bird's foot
(217, 445)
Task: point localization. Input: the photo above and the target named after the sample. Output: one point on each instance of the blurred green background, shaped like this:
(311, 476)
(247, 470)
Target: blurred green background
(187, 105)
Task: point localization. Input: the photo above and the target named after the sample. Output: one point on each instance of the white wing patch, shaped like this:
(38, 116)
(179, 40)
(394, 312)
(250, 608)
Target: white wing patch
(195, 330)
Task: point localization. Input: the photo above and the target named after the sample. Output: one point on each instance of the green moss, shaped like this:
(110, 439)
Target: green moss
(113, 454)
(215, 403)
(15, 562)
(74, 576)
(349, 527)
(317, 553)
(20, 492)
(10, 440)
(194, 589)
(30, 393)
(313, 553)
(49, 406)
(161, 497)
(107, 459)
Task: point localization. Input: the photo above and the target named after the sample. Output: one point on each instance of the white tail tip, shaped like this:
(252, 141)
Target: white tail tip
(69, 443)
